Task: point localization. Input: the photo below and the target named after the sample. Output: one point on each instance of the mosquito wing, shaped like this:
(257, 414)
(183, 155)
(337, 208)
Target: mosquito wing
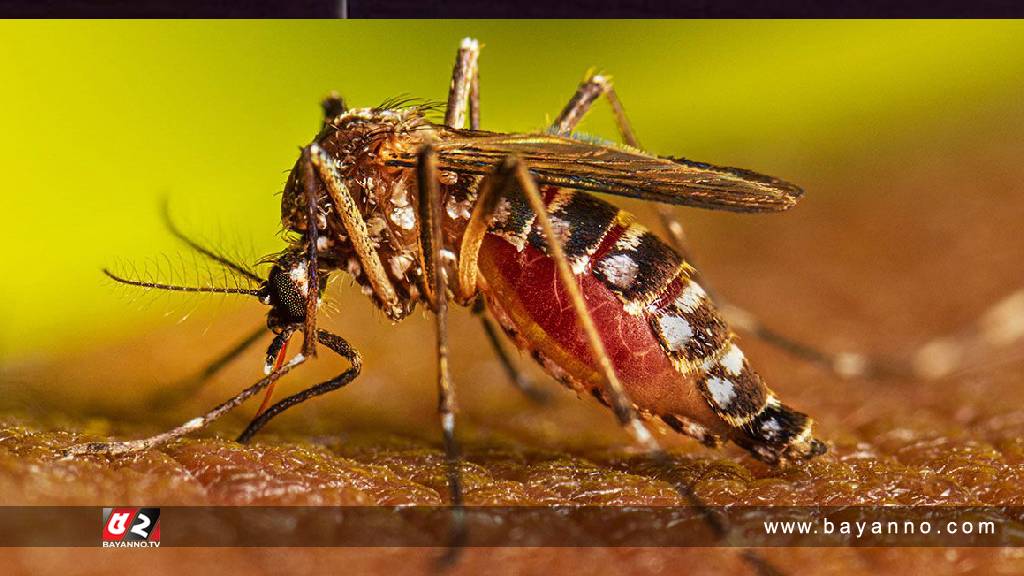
(577, 164)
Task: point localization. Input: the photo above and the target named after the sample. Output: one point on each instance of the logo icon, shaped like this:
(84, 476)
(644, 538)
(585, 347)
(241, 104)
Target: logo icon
(131, 528)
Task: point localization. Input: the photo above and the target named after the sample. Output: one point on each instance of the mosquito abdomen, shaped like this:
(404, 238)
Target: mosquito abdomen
(675, 356)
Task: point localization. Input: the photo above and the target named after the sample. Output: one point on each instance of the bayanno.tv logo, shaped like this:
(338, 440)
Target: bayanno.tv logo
(131, 527)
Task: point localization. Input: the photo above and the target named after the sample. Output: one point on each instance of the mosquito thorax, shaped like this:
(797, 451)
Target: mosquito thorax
(359, 141)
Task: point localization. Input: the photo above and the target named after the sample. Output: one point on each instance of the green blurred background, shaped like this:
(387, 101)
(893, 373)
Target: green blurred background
(99, 120)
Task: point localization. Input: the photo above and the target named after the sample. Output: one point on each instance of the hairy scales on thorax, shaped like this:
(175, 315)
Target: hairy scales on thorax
(361, 140)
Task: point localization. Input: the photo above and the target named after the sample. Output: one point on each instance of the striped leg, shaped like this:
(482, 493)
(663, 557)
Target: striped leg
(318, 172)
(435, 289)
(311, 190)
(844, 364)
(464, 90)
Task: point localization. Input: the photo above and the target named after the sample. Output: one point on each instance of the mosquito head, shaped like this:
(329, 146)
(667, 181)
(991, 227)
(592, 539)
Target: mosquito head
(286, 290)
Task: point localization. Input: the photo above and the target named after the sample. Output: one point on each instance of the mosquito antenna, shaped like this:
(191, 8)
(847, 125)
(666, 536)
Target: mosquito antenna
(219, 258)
(176, 288)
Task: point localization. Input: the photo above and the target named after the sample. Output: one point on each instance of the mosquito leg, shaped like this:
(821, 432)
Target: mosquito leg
(464, 90)
(436, 289)
(466, 289)
(520, 380)
(592, 88)
(355, 226)
(997, 329)
(311, 191)
(178, 392)
(474, 101)
(198, 423)
(341, 347)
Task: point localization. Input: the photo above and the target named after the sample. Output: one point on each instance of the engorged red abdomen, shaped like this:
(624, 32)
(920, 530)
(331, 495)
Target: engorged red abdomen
(526, 296)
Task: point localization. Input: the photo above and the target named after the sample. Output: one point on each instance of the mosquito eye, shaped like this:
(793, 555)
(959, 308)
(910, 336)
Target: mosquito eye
(286, 292)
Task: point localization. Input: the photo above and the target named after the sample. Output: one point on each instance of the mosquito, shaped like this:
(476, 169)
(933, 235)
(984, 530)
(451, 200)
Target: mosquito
(426, 213)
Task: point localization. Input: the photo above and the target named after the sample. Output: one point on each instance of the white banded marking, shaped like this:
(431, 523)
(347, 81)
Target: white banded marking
(691, 297)
(770, 428)
(620, 270)
(722, 391)
(676, 331)
(193, 423)
(732, 360)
